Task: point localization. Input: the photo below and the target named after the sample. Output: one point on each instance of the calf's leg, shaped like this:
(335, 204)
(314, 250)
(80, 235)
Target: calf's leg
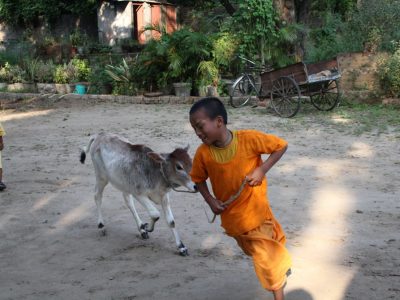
(171, 223)
(98, 196)
(151, 209)
(142, 227)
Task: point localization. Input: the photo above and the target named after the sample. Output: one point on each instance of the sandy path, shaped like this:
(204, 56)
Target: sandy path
(337, 196)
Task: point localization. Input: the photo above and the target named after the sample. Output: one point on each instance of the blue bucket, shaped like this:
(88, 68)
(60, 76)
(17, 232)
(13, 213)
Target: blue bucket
(80, 89)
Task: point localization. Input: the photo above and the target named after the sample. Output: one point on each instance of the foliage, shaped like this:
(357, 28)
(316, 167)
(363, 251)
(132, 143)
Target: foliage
(372, 27)
(123, 77)
(31, 69)
(45, 71)
(323, 41)
(17, 74)
(81, 69)
(389, 73)
(263, 35)
(7, 56)
(339, 7)
(208, 73)
(78, 38)
(224, 50)
(65, 73)
(374, 22)
(173, 58)
(27, 12)
(5, 73)
(129, 45)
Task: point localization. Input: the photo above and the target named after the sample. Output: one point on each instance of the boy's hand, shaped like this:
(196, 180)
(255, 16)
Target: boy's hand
(217, 206)
(256, 177)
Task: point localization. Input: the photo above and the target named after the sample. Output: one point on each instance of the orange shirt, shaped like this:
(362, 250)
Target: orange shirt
(251, 208)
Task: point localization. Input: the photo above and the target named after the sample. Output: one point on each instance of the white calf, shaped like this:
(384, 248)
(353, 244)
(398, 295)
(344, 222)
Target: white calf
(141, 174)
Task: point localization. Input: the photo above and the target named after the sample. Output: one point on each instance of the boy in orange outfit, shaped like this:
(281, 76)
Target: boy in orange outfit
(227, 158)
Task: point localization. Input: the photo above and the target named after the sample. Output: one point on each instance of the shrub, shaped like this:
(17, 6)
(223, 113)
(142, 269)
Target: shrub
(5, 73)
(45, 71)
(389, 74)
(65, 73)
(17, 74)
(81, 70)
(123, 76)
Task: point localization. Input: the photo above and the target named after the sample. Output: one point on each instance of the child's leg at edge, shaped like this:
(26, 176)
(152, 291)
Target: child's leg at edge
(278, 294)
(1, 174)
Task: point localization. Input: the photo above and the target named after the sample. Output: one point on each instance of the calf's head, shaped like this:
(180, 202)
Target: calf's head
(176, 167)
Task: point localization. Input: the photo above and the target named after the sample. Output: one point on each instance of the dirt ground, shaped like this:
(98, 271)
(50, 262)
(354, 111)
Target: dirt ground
(335, 193)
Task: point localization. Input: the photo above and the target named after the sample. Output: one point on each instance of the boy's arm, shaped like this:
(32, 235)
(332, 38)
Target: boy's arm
(256, 177)
(216, 206)
(1, 143)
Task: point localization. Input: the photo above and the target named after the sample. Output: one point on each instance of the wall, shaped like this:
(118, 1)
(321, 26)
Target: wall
(114, 21)
(359, 81)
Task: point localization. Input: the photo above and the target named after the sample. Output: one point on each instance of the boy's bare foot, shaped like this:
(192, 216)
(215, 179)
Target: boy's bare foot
(2, 186)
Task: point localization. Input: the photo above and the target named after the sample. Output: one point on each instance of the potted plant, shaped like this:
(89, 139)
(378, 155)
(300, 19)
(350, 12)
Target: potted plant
(175, 58)
(20, 80)
(44, 77)
(5, 76)
(123, 78)
(31, 67)
(78, 41)
(62, 77)
(208, 78)
(80, 72)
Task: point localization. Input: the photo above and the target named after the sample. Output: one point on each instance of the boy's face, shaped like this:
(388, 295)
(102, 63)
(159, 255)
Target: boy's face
(208, 130)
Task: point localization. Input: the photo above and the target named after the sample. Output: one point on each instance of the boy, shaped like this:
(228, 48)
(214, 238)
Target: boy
(227, 158)
(2, 133)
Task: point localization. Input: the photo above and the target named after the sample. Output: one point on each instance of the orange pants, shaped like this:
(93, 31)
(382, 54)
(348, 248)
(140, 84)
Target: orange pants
(266, 245)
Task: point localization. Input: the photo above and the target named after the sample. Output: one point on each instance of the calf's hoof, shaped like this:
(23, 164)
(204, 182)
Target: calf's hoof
(144, 231)
(145, 235)
(183, 251)
(102, 229)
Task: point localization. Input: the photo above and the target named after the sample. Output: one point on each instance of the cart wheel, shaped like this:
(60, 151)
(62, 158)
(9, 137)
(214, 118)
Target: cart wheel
(243, 91)
(327, 98)
(285, 97)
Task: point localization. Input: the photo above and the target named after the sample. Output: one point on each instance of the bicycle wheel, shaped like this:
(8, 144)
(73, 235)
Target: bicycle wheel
(327, 98)
(285, 97)
(242, 91)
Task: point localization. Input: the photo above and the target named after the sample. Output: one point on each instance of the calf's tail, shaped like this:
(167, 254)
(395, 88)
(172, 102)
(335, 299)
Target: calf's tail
(86, 149)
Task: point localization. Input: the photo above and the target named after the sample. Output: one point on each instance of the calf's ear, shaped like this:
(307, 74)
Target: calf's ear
(156, 157)
(187, 148)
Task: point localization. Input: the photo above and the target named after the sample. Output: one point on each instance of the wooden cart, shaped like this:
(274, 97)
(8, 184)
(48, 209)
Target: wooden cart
(285, 86)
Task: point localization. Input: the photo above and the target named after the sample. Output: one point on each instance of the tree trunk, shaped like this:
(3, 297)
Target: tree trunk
(286, 10)
(228, 6)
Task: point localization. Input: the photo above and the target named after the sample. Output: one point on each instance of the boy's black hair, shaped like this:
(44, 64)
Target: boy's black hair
(212, 106)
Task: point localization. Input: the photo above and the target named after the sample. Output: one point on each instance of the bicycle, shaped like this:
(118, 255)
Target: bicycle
(245, 87)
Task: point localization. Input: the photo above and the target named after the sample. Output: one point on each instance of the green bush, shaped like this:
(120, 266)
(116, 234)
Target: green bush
(5, 73)
(123, 77)
(65, 73)
(172, 58)
(82, 69)
(45, 71)
(389, 74)
(374, 22)
(17, 74)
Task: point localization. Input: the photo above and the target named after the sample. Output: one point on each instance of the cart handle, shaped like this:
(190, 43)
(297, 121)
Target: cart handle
(248, 60)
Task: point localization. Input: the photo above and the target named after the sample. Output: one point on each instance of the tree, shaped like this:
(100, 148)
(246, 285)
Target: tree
(28, 12)
(229, 5)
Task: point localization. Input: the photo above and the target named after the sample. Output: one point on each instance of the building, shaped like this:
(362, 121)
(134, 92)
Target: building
(121, 19)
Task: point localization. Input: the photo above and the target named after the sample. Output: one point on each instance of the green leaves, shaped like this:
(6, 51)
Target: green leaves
(27, 12)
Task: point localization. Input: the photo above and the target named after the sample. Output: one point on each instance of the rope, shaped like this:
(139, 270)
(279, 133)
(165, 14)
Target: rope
(227, 202)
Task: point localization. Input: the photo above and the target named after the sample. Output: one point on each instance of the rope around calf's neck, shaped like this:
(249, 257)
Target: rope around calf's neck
(170, 184)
